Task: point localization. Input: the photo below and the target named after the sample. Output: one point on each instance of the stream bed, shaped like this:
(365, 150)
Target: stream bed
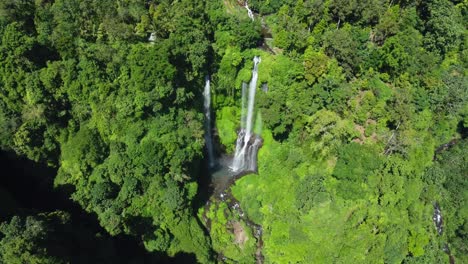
(222, 178)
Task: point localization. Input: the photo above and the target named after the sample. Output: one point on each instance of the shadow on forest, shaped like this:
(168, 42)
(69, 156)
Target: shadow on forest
(30, 184)
(205, 188)
(462, 130)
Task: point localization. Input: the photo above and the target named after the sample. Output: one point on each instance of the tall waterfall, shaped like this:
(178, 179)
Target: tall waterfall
(207, 108)
(245, 157)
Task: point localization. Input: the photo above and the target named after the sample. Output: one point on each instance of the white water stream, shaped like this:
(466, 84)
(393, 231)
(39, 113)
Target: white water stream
(207, 108)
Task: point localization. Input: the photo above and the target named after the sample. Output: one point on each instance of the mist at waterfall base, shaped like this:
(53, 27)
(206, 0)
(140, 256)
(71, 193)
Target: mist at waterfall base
(224, 169)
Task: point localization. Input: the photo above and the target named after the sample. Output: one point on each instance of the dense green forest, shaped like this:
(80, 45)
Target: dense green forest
(362, 106)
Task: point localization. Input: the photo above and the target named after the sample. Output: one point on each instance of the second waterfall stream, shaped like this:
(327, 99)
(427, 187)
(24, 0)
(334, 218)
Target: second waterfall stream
(207, 107)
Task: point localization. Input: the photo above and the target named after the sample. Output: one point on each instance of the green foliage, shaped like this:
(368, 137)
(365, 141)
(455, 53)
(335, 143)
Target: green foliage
(447, 177)
(7, 127)
(266, 7)
(361, 201)
(328, 131)
(13, 10)
(347, 45)
(355, 164)
(247, 34)
(21, 242)
(443, 27)
(365, 12)
(315, 65)
(230, 236)
(226, 122)
(360, 95)
(289, 33)
(51, 238)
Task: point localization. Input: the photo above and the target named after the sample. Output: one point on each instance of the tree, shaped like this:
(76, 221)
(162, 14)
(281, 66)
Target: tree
(66, 27)
(17, 11)
(23, 241)
(345, 44)
(355, 164)
(443, 28)
(447, 181)
(328, 132)
(315, 65)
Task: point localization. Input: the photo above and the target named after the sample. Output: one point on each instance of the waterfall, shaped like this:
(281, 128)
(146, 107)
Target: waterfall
(208, 140)
(251, 100)
(245, 157)
(152, 37)
(249, 12)
(253, 150)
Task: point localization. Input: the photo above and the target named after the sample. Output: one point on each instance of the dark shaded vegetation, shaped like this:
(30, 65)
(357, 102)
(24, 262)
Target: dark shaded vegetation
(43, 222)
